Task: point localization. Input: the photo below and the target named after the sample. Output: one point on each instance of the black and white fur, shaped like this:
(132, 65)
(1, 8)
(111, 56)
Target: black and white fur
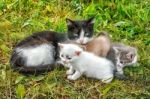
(39, 52)
(80, 31)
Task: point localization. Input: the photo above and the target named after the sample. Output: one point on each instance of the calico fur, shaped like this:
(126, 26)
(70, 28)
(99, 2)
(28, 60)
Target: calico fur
(99, 45)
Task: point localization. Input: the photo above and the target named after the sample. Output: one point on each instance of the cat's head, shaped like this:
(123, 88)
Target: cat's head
(125, 56)
(80, 31)
(69, 52)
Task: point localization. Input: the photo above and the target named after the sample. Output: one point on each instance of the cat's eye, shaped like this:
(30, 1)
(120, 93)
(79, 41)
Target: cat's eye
(68, 57)
(121, 62)
(76, 35)
(62, 55)
(87, 34)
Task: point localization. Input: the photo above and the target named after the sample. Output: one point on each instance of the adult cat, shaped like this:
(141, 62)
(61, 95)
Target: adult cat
(39, 52)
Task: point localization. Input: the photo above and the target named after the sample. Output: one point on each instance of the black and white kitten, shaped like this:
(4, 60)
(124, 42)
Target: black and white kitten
(39, 52)
(80, 31)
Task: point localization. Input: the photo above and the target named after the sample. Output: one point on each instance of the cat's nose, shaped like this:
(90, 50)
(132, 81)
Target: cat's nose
(65, 62)
(81, 41)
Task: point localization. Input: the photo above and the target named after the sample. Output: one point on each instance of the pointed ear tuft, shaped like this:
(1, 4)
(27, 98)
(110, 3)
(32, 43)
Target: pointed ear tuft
(116, 49)
(60, 45)
(77, 53)
(91, 20)
(69, 21)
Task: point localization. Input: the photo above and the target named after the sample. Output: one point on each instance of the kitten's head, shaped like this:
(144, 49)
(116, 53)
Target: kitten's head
(125, 56)
(69, 52)
(80, 31)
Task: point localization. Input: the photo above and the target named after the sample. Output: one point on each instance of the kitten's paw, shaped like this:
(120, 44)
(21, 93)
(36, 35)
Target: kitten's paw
(69, 72)
(107, 80)
(70, 77)
(120, 76)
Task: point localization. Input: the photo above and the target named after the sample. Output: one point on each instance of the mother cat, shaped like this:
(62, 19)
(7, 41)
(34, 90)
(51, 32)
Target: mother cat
(39, 52)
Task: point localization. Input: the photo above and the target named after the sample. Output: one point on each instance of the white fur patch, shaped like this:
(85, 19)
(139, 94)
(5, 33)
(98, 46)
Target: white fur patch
(134, 60)
(35, 56)
(82, 39)
(87, 64)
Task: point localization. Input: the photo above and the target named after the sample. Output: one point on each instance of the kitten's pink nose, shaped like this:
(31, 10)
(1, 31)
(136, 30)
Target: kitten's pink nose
(65, 62)
(81, 41)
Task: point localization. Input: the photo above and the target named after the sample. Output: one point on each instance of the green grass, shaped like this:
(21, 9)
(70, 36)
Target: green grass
(127, 21)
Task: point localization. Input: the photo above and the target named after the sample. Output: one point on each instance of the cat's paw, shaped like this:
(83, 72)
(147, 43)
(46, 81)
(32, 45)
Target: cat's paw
(107, 80)
(70, 77)
(69, 72)
(120, 76)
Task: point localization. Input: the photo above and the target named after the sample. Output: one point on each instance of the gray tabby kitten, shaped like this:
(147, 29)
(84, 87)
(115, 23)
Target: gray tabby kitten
(122, 56)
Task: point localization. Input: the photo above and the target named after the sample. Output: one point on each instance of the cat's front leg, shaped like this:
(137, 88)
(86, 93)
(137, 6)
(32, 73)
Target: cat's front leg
(71, 70)
(119, 73)
(75, 76)
(108, 78)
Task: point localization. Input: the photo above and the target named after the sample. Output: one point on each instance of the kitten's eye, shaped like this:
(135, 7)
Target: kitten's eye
(71, 28)
(76, 35)
(121, 62)
(68, 57)
(87, 34)
(62, 55)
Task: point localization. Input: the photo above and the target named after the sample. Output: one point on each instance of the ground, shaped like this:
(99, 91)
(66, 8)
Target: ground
(127, 21)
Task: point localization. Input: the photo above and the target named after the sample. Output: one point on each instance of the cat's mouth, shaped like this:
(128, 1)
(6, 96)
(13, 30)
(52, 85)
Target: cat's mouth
(65, 62)
(84, 40)
(120, 65)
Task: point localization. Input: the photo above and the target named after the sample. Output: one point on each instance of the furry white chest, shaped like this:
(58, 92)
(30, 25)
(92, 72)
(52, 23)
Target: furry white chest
(35, 56)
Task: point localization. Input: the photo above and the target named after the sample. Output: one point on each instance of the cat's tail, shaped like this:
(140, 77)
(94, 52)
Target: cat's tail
(34, 70)
(17, 64)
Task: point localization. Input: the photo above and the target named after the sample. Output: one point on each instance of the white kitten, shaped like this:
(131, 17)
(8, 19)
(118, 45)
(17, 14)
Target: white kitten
(85, 63)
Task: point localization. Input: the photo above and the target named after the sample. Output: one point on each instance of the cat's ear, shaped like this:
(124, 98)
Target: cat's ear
(91, 20)
(60, 45)
(115, 49)
(130, 56)
(69, 21)
(77, 53)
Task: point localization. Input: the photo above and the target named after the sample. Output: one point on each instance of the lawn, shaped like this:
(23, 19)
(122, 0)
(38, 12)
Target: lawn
(127, 21)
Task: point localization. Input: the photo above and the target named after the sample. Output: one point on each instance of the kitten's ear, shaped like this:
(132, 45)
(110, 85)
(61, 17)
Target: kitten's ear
(69, 21)
(91, 20)
(77, 53)
(130, 56)
(116, 49)
(60, 45)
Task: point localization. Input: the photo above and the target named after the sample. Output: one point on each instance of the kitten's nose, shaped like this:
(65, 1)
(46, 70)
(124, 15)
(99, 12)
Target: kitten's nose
(65, 62)
(81, 41)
